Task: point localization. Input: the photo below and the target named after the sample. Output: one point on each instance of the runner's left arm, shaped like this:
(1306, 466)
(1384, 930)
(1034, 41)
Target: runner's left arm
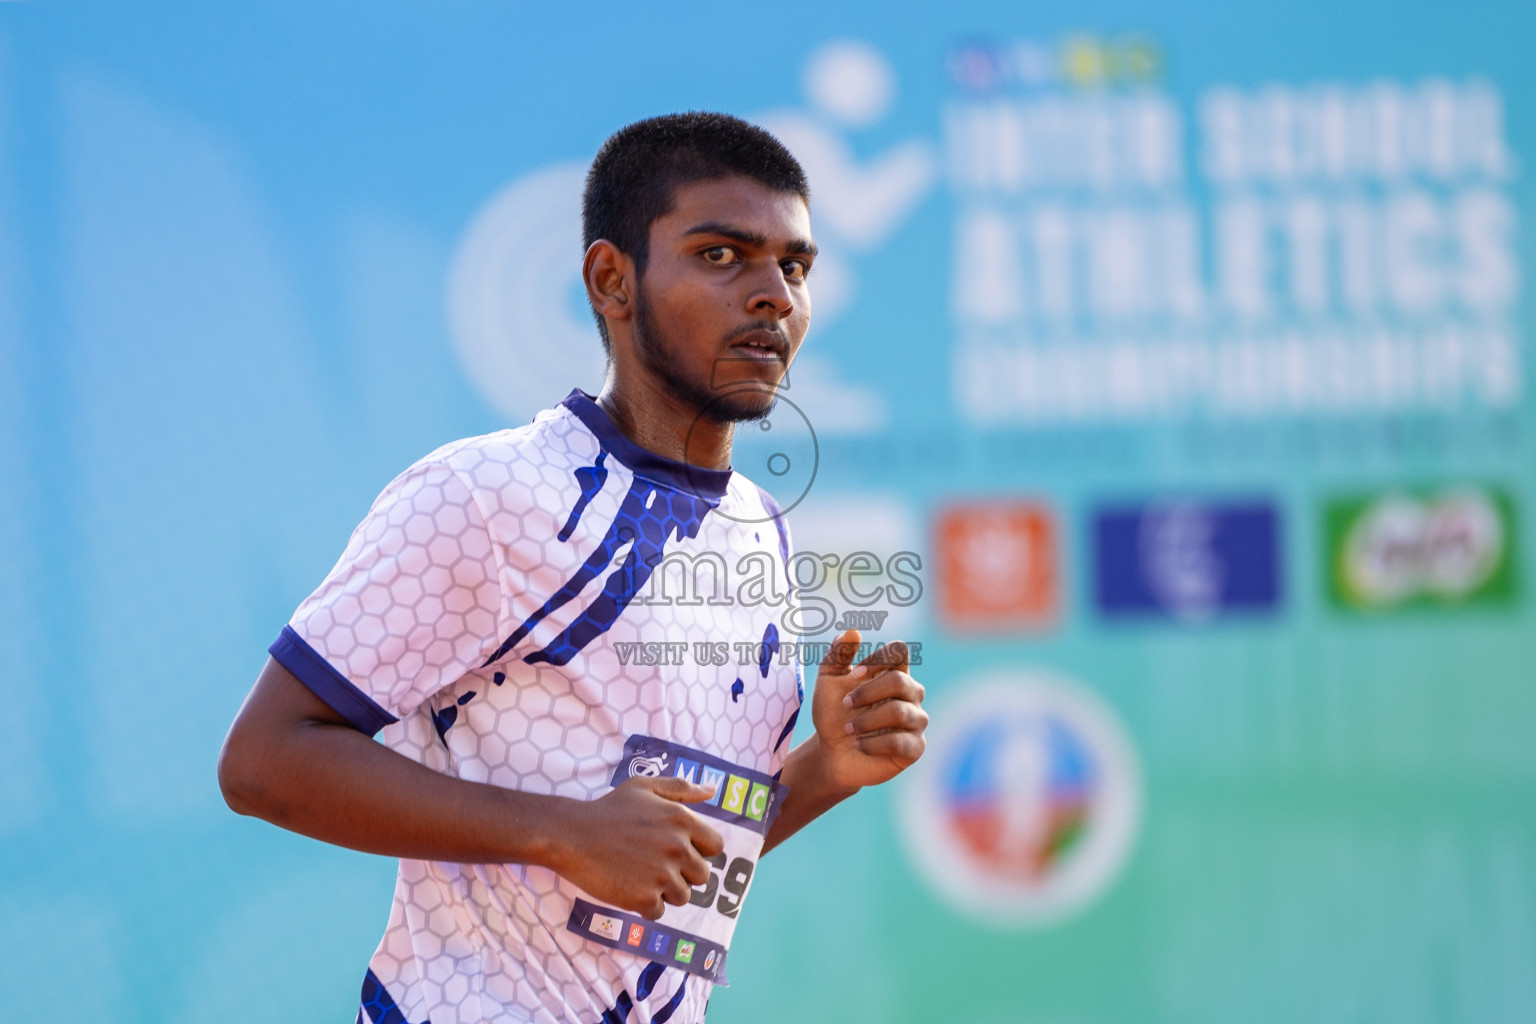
(869, 726)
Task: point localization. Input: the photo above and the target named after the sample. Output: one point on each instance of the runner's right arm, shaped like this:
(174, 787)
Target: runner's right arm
(292, 760)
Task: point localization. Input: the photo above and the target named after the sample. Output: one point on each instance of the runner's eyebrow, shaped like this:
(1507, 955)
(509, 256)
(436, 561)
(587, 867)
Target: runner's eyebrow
(797, 247)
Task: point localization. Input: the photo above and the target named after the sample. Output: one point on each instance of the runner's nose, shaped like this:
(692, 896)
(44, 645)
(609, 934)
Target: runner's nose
(771, 294)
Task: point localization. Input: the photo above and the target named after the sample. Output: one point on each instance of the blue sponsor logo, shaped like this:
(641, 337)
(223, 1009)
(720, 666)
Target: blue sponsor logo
(659, 942)
(1187, 560)
(715, 779)
(687, 770)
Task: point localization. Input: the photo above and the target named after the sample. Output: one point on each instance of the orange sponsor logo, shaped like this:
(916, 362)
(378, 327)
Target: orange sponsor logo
(998, 568)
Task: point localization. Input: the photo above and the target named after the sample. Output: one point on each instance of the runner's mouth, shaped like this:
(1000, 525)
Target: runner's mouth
(765, 346)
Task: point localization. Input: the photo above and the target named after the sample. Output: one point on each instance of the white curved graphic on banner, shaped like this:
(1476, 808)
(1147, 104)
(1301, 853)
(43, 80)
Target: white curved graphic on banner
(860, 203)
(512, 303)
(856, 206)
(1183, 570)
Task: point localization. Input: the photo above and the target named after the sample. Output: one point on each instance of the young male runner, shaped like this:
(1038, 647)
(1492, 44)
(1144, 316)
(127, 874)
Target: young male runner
(577, 831)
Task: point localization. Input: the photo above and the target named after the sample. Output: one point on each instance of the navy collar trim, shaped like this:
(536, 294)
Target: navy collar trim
(709, 484)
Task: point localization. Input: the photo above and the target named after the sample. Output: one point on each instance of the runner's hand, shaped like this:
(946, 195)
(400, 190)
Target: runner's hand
(639, 847)
(869, 718)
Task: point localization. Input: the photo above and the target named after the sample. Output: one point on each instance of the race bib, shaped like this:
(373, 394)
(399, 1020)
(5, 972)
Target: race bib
(695, 937)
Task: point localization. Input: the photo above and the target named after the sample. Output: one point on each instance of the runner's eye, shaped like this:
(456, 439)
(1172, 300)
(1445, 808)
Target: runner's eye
(721, 255)
(795, 270)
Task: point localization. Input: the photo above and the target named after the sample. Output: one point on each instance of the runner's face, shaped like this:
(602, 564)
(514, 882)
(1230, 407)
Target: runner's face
(723, 304)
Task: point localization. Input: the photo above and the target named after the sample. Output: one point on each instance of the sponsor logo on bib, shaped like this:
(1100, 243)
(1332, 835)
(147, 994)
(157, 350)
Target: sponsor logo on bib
(650, 767)
(741, 796)
(694, 937)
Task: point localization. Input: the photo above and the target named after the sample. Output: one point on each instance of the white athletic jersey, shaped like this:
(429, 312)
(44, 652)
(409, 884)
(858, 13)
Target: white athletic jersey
(488, 615)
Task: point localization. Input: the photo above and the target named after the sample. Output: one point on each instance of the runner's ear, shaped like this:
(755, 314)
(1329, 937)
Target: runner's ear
(605, 272)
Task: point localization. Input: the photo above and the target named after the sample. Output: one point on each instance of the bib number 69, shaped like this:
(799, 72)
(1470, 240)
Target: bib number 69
(734, 881)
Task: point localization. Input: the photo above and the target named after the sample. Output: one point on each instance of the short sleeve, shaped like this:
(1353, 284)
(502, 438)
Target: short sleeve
(414, 603)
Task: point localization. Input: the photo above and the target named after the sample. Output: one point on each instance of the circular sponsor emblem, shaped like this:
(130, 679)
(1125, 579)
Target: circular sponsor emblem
(1027, 802)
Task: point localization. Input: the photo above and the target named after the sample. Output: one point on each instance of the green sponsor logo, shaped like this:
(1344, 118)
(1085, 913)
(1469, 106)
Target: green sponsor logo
(757, 801)
(735, 793)
(1421, 548)
(684, 951)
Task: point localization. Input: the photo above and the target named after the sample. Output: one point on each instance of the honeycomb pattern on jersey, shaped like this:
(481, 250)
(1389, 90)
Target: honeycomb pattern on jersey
(455, 554)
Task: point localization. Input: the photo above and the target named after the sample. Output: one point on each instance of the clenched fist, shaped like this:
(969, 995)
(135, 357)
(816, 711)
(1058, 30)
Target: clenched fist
(638, 847)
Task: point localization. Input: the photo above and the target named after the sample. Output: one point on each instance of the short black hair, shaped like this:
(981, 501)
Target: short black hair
(637, 172)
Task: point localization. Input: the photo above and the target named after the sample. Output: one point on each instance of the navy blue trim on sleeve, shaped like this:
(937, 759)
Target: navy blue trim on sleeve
(310, 668)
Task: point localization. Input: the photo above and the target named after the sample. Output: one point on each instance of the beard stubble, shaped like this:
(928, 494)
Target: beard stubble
(731, 404)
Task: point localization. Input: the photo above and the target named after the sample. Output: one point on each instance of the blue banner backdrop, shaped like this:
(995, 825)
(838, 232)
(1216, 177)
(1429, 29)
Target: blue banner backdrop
(1172, 366)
